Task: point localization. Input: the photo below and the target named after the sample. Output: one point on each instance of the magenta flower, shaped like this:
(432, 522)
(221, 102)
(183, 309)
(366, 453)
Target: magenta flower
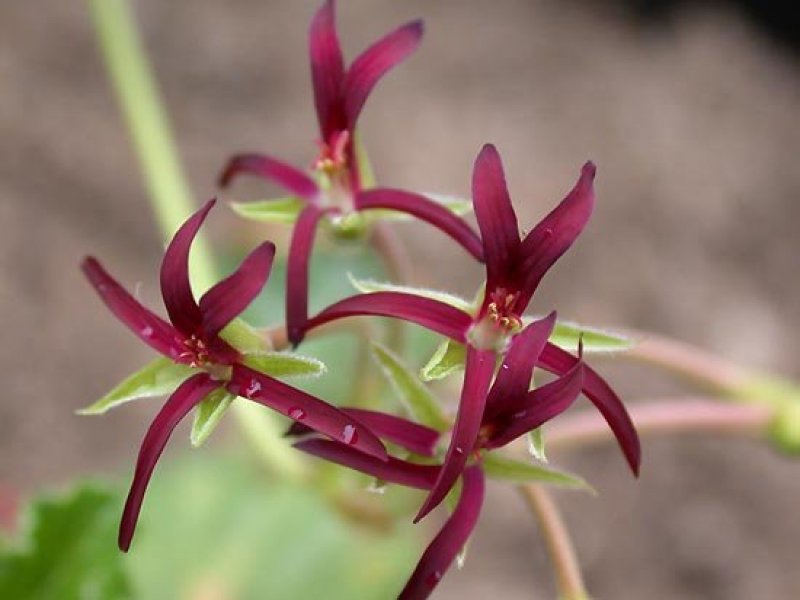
(192, 337)
(514, 268)
(507, 410)
(338, 191)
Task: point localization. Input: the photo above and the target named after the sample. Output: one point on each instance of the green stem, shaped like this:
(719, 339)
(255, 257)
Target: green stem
(148, 126)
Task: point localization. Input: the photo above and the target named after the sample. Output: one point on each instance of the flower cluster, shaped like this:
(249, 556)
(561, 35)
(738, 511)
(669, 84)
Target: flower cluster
(209, 365)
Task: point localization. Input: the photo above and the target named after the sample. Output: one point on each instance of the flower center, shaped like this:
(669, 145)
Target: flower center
(332, 158)
(498, 324)
(196, 353)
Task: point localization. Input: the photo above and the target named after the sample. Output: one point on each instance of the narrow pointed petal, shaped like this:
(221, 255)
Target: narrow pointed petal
(426, 210)
(391, 470)
(227, 299)
(300, 250)
(432, 314)
(373, 63)
(271, 169)
(407, 434)
(477, 376)
(539, 406)
(190, 393)
(175, 286)
(514, 377)
(151, 329)
(495, 215)
(554, 234)
(559, 361)
(327, 70)
(444, 548)
(300, 406)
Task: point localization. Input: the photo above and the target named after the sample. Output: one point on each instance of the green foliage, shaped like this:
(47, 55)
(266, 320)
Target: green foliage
(595, 340)
(420, 403)
(157, 378)
(245, 338)
(68, 550)
(277, 210)
(448, 358)
(208, 414)
(536, 444)
(507, 469)
(368, 286)
(285, 364)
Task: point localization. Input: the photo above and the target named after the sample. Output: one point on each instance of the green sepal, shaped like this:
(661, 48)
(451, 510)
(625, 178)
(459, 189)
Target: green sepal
(508, 469)
(536, 444)
(279, 210)
(366, 173)
(369, 286)
(350, 226)
(208, 415)
(245, 338)
(595, 340)
(785, 429)
(456, 205)
(158, 378)
(448, 358)
(420, 403)
(285, 364)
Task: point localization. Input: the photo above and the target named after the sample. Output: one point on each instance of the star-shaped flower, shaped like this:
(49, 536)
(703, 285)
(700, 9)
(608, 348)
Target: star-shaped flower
(507, 411)
(337, 194)
(514, 268)
(192, 338)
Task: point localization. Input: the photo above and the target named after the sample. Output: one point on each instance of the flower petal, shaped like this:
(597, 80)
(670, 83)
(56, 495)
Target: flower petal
(271, 169)
(478, 375)
(539, 406)
(444, 548)
(554, 234)
(392, 470)
(514, 377)
(558, 361)
(373, 63)
(300, 406)
(436, 316)
(228, 298)
(426, 210)
(175, 286)
(297, 271)
(327, 70)
(183, 399)
(407, 434)
(151, 329)
(496, 218)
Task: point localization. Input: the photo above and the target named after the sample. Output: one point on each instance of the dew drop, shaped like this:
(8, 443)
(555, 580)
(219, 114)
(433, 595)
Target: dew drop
(147, 331)
(505, 366)
(349, 434)
(377, 486)
(433, 579)
(297, 413)
(520, 414)
(253, 388)
(461, 558)
(459, 450)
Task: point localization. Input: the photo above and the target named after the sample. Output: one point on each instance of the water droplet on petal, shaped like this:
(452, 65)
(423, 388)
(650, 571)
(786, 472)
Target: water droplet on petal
(461, 558)
(433, 579)
(520, 414)
(253, 388)
(349, 434)
(459, 450)
(377, 486)
(147, 331)
(505, 366)
(297, 413)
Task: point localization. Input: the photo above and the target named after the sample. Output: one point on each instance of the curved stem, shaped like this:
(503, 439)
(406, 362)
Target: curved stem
(569, 579)
(665, 416)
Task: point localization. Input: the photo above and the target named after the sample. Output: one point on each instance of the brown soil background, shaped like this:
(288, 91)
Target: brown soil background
(696, 133)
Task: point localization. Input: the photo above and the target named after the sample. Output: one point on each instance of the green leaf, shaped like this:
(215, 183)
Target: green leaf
(507, 469)
(785, 429)
(369, 286)
(365, 170)
(279, 210)
(208, 415)
(421, 404)
(536, 444)
(68, 550)
(449, 357)
(245, 338)
(595, 340)
(158, 378)
(285, 364)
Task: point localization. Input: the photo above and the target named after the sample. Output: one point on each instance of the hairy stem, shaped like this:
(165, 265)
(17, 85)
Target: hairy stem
(569, 580)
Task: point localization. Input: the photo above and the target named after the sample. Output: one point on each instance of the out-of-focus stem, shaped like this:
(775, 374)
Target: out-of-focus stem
(400, 269)
(665, 416)
(569, 580)
(148, 126)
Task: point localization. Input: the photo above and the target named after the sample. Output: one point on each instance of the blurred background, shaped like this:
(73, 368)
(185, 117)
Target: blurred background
(691, 113)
